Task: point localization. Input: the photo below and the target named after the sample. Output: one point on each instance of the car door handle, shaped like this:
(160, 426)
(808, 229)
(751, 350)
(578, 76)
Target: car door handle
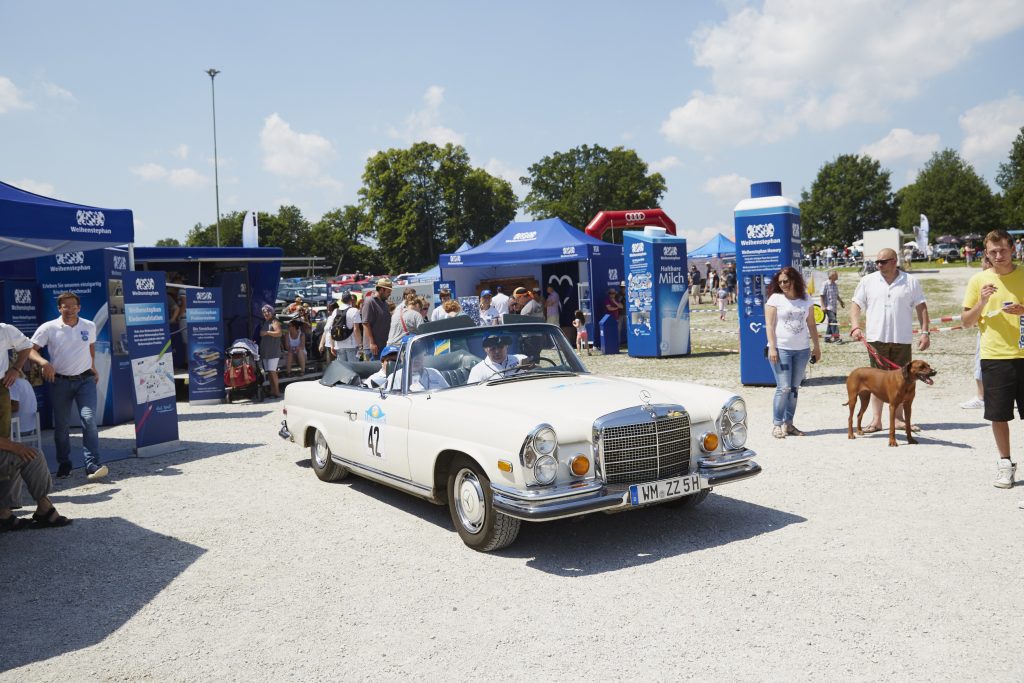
(351, 415)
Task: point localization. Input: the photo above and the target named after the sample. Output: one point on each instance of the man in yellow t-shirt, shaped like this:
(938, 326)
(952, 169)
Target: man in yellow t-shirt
(993, 300)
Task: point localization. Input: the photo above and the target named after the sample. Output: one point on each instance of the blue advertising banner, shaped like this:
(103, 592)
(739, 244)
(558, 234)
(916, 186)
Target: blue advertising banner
(657, 301)
(205, 332)
(767, 239)
(149, 343)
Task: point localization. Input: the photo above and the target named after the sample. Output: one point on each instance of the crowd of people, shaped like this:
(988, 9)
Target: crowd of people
(882, 316)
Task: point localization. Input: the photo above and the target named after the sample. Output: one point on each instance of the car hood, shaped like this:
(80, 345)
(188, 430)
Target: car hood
(571, 404)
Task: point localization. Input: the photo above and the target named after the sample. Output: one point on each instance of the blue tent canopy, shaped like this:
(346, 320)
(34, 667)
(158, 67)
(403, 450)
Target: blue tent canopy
(717, 247)
(435, 273)
(543, 241)
(32, 225)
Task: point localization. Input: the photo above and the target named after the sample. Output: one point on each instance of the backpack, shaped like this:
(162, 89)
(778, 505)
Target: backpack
(340, 331)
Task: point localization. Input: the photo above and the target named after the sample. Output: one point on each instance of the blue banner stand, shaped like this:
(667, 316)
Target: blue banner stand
(767, 239)
(205, 346)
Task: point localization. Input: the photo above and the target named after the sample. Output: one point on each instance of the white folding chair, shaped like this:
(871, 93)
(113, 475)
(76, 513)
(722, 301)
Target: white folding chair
(34, 438)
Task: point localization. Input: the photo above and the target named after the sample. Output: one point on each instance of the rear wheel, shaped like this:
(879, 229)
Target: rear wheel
(480, 526)
(687, 502)
(320, 458)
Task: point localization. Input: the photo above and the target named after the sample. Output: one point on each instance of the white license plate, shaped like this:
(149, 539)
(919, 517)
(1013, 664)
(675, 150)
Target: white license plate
(642, 494)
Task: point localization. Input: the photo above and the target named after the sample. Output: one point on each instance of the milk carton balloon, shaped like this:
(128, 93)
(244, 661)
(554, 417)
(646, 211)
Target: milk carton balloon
(767, 239)
(657, 301)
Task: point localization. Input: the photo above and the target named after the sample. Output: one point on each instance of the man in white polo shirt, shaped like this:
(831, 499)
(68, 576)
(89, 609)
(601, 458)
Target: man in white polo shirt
(11, 339)
(71, 343)
(891, 298)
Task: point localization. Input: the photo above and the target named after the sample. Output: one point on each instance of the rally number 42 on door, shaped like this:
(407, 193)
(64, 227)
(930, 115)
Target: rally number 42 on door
(538, 438)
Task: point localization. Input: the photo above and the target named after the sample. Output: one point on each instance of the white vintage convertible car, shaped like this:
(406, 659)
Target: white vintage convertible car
(505, 424)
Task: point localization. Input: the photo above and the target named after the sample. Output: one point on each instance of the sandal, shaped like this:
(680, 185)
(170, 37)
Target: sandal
(793, 431)
(49, 519)
(778, 432)
(13, 523)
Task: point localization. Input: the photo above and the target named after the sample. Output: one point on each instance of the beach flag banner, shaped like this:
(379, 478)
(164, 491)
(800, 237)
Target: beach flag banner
(149, 345)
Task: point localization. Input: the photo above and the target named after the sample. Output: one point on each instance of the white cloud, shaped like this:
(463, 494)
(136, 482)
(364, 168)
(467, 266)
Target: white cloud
(10, 96)
(794, 63)
(696, 237)
(990, 128)
(45, 189)
(424, 125)
(662, 165)
(181, 151)
(177, 177)
(55, 91)
(727, 189)
(292, 154)
(902, 145)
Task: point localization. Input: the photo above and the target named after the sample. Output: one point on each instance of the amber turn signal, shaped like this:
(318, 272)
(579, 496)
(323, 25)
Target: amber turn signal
(709, 442)
(580, 465)
(504, 466)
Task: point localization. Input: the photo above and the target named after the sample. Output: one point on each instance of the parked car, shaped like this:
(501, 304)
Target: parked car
(947, 252)
(537, 441)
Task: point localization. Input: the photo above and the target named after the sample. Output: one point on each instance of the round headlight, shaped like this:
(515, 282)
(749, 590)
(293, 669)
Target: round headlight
(735, 437)
(544, 441)
(737, 411)
(545, 469)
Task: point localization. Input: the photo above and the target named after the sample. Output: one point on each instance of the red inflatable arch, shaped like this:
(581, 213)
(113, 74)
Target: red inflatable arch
(634, 218)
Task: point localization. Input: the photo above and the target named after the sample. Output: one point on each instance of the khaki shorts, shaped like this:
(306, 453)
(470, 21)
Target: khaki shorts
(897, 353)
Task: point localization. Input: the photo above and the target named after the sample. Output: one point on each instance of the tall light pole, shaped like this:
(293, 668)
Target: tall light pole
(216, 179)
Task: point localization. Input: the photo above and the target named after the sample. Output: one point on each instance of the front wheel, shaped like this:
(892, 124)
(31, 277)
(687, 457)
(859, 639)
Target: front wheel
(480, 526)
(320, 458)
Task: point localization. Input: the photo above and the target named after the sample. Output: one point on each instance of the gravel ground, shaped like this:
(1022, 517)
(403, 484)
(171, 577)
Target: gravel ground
(844, 559)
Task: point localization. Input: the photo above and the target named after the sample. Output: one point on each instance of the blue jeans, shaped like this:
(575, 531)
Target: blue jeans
(789, 372)
(82, 392)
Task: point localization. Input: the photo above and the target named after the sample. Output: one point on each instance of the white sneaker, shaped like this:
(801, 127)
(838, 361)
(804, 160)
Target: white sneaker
(973, 404)
(1004, 477)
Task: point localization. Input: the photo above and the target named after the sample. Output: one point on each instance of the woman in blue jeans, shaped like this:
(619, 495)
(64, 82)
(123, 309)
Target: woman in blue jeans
(789, 323)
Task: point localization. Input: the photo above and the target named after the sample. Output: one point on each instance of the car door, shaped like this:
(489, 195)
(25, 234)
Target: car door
(378, 432)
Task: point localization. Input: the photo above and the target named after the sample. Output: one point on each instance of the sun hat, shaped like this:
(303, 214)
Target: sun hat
(520, 290)
(385, 282)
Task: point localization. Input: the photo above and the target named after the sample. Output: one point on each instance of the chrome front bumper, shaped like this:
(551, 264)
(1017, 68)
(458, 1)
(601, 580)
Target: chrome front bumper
(546, 504)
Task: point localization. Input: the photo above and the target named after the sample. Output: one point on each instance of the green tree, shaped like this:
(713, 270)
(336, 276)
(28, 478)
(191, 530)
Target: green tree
(206, 235)
(339, 237)
(577, 184)
(952, 195)
(167, 242)
(1011, 179)
(850, 194)
(424, 201)
(287, 229)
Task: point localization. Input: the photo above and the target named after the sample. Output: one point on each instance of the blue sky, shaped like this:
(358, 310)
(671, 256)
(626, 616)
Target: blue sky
(108, 103)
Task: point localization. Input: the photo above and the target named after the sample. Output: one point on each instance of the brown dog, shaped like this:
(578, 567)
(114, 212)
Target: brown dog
(895, 387)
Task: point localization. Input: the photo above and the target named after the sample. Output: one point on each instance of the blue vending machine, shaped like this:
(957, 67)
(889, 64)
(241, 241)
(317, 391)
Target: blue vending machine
(657, 301)
(767, 239)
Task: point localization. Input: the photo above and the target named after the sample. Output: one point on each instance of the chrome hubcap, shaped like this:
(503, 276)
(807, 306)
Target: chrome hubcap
(321, 452)
(469, 501)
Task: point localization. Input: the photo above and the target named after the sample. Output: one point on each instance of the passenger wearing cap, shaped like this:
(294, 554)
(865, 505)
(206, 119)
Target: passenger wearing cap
(498, 362)
(378, 379)
(270, 347)
(438, 313)
(488, 313)
(377, 318)
(421, 378)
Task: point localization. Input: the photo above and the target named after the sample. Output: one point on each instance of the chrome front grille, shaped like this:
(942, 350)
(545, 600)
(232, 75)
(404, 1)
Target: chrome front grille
(633, 447)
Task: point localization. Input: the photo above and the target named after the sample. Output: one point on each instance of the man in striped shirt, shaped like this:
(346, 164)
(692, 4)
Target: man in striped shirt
(829, 299)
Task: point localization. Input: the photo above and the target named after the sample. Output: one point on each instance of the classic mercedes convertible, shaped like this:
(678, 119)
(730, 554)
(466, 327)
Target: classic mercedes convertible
(504, 424)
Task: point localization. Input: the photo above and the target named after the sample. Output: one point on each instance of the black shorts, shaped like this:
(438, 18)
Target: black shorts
(1003, 382)
(897, 353)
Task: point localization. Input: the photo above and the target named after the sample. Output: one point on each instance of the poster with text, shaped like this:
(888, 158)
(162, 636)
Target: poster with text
(149, 345)
(203, 315)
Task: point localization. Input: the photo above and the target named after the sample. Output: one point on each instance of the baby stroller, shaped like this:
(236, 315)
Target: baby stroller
(243, 376)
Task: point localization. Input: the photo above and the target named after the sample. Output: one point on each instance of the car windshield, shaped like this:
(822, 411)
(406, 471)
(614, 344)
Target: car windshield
(487, 355)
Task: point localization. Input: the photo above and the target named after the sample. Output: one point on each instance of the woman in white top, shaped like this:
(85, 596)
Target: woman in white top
(789, 323)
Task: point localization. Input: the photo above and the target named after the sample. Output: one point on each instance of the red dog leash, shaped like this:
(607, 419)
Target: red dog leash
(884, 362)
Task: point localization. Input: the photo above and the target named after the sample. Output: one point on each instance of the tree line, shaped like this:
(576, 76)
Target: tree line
(853, 193)
(418, 203)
